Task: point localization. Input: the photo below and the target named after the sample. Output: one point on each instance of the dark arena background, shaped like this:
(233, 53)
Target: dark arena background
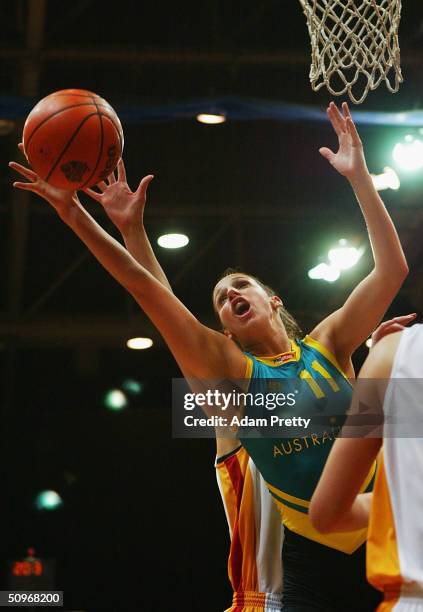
(141, 525)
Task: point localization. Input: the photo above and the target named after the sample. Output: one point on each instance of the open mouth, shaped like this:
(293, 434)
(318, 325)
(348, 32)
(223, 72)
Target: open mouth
(241, 307)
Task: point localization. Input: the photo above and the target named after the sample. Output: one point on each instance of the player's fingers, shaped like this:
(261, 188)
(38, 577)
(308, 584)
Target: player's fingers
(394, 328)
(353, 131)
(26, 186)
(102, 186)
(337, 117)
(93, 194)
(327, 153)
(22, 150)
(335, 124)
(121, 171)
(111, 178)
(405, 318)
(142, 187)
(26, 172)
(346, 110)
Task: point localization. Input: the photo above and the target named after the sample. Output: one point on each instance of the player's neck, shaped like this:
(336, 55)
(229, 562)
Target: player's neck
(273, 343)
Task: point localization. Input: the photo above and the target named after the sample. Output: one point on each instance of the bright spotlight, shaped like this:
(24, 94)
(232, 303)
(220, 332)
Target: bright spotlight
(387, 180)
(138, 344)
(409, 155)
(173, 241)
(344, 257)
(211, 118)
(324, 272)
(48, 500)
(116, 400)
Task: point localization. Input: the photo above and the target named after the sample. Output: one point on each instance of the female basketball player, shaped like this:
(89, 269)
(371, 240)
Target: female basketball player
(320, 572)
(254, 523)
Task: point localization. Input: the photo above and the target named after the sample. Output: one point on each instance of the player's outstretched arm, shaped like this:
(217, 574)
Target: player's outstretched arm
(186, 337)
(125, 208)
(348, 327)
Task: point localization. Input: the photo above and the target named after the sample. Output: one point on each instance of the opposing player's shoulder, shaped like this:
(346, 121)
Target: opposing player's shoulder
(381, 357)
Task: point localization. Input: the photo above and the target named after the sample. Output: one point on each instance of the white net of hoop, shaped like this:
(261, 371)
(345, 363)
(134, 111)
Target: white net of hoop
(354, 45)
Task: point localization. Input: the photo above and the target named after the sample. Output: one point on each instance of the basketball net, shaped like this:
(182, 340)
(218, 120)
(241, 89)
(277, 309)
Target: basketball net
(354, 45)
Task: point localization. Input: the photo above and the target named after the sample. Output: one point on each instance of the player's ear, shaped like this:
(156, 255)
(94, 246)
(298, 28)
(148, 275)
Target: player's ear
(276, 301)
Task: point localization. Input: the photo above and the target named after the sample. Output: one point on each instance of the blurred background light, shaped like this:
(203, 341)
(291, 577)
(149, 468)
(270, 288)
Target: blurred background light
(211, 118)
(173, 241)
(344, 257)
(133, 387)
(324, 272)
(388, 179)
(48, 500)
(409, 154)
(139, 343)
(115, 399)
(341, 257)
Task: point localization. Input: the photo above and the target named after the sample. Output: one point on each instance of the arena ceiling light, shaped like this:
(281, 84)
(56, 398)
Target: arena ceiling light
(138, 343)
(48, 500)
(343, 256)
(325, 272)
(172, 241)
(211, 118)
(115, 399)
(388, 179)
(132, 386)
(408, 155)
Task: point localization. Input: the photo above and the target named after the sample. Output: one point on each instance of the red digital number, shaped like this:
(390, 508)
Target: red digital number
(27, 568)
(17, 569)
(38, 568)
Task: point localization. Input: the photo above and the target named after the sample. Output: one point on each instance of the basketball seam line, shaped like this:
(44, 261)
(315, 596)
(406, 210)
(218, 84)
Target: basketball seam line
(100, 150)
(118, 133)
(62, 110)
(68, 144)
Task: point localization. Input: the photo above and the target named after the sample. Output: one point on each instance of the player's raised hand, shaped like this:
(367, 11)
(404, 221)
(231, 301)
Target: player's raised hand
(349, 159)
(124, 207)
(391, 326)
(61, 199)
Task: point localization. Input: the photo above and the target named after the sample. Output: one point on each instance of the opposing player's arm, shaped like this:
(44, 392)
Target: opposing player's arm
(344, 330)
(125, 208)
(200, 352)
(336, 504)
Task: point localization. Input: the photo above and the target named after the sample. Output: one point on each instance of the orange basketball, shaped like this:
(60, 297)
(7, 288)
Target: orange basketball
(73, 139)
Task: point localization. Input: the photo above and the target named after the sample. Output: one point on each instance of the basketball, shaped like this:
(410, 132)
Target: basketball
(73, 139)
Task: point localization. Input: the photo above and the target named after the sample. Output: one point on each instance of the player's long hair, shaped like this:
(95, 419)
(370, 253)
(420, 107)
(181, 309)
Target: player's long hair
(292, 328)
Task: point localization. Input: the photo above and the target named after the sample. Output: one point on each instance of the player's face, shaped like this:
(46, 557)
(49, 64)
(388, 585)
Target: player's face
(243, 305)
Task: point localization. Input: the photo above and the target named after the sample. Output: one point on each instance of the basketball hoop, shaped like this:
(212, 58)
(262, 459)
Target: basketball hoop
(354, 45)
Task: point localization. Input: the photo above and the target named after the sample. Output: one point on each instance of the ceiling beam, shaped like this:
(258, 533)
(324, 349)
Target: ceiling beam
(155, 56)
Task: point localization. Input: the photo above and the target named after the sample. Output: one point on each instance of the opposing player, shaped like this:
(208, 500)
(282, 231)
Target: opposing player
(323, 573)
(394, 546)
